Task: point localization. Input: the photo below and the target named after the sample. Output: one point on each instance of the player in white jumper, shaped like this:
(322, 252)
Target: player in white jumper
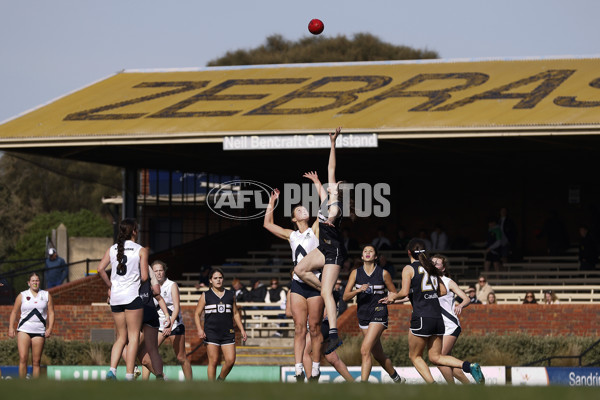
(129, 267)
(450, 313)
(305, 302)
(35, 324)
(170, 293)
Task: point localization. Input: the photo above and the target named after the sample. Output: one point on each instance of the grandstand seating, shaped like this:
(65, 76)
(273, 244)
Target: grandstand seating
(534, 273)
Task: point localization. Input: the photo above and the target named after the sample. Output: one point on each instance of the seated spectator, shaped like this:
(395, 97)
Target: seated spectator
(493, 246)
(349, 242)
(530, 298)
(203, 280)
(588, 250)
(422, 235)
(241, 293)
(483, 289)
(346, 268)
(258, 292)
(471, 293)
(491, 298)
(439, 239)
(275, 293)
(339, 288)
(550, 297)
(402, 239)
(381, 242)
(387, 265)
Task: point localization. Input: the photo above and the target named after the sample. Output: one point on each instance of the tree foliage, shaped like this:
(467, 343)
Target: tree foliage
(362, 47)
(32, 243)
(33, 185)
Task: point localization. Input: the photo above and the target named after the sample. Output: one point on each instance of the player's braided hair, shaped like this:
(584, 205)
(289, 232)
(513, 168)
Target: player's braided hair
(126, 228)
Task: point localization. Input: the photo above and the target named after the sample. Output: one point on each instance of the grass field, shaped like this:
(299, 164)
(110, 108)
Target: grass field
(102, 390)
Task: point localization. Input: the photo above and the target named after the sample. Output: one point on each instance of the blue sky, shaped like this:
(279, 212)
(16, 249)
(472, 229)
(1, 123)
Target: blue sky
(51, 47)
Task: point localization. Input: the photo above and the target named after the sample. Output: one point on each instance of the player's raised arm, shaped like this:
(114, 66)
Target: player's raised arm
(332, 162)
(269, 223)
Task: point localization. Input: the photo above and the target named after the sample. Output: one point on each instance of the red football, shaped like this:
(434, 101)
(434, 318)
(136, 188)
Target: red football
(315, 26)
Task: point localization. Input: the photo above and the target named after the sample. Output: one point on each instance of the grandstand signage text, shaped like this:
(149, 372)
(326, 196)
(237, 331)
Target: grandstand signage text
(278, 142)
(428, 97)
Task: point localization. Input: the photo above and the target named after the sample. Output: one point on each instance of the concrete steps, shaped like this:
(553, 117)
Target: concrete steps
(266, 351)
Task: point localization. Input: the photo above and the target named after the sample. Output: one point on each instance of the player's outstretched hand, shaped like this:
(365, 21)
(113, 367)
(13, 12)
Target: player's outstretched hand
(333, 135)
(312, 175)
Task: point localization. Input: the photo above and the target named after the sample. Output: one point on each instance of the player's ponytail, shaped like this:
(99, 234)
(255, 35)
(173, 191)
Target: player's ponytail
(417, 250)
(126, 229)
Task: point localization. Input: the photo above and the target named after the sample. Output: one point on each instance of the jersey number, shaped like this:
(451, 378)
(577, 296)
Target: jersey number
(428, 283)
(122, 268)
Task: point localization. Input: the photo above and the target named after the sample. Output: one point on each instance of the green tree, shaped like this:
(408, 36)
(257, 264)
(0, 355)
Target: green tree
(362, 47)
(32, 243)
(30, 185)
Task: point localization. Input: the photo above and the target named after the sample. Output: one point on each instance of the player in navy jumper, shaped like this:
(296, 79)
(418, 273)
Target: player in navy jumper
(220, 311)
(369, 283)
(421, 282)
(331, 252)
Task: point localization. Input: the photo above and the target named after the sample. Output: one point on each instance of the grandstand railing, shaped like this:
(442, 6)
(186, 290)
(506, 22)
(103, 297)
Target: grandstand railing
(579, 358)
(567, 294)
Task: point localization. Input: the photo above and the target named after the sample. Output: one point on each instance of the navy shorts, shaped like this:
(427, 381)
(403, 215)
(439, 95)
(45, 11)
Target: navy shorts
(134, 305)
(304, 289)
(180, 330)
(333, 254)
(220, 338)
(426, 327)
(151, 316)
(325, 329)
(34, 335)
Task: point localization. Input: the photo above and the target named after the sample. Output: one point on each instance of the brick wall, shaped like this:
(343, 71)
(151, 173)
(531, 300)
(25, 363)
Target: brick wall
(535, 320)
(75, 322)
(84, 291)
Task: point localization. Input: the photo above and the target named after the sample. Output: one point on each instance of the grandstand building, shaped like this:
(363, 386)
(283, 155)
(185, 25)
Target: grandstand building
(455, 140)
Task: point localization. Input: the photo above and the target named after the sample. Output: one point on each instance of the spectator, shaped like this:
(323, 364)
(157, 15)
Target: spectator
(381, 242)
(530, 298)
(387, 265)
(423, 237)
(338, 292)
(258, 292)
(556, 235)
(241, 293)
(550, 297)
(56, 269)
(349, 242)
(509, 235)
(275, 293)
(491, 298)
(588, 250)
(483, 289)
(346, 268)
(203, 281)
(493, 247)
(472, 295)
(439, 239)
(402, 239)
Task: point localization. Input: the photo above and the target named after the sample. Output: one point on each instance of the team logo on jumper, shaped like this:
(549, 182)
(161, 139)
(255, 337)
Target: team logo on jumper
(221, 308)
(239, 199)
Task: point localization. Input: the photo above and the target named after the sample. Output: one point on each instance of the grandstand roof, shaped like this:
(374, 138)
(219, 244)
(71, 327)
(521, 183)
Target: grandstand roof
(147, 117)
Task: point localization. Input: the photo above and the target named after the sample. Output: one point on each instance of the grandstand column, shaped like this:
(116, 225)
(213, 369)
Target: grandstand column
(130, 192)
